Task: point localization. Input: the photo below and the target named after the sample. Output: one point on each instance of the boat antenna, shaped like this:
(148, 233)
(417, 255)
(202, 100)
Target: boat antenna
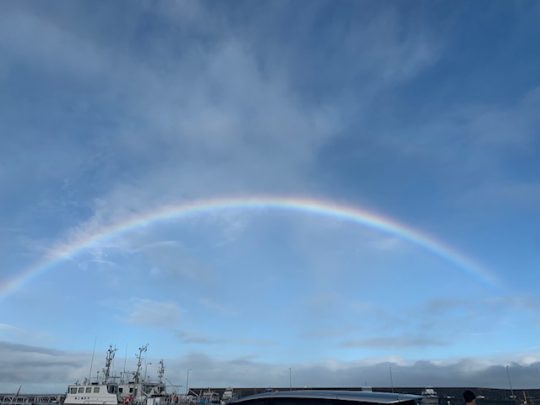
(125, 360)
(16, 395)
(92, 362)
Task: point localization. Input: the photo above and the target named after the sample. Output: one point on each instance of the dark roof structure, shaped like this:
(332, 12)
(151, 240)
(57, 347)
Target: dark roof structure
(325, 397)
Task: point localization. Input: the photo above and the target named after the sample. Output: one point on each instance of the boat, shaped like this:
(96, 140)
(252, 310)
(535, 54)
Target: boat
(209, 398)
(138, 389)
(107, 390)
(228, 396)
(102, 391)
(430, 396)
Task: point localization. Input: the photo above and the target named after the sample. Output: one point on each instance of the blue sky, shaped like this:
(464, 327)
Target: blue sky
(422, 112)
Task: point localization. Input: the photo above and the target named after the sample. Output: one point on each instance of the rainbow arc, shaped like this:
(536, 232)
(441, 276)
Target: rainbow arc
(318, 207)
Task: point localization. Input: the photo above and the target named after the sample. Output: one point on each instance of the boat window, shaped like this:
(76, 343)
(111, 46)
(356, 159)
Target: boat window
(88, 390)
(73, 390)
(96, 390)
(81, 390)
(131, 390)
(111, 389)
(121, 389)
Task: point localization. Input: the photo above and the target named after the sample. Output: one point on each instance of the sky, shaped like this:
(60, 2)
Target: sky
(319, 190)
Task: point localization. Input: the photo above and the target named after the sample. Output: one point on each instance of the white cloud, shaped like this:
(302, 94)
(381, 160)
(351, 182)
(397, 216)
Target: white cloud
(23, 336)
(151, 313)
(506, 193)
(394, 342)
(200, 339)
(191, 338)
(218, 307)
(214, 121)
(472, 140)
(63, 48)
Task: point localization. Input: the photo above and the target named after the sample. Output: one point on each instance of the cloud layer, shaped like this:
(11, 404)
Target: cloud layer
(38, 367)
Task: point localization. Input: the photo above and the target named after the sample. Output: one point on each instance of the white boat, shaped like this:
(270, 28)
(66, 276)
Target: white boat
(228, 396)
(209, 398)
(430, 397)
(106, 390)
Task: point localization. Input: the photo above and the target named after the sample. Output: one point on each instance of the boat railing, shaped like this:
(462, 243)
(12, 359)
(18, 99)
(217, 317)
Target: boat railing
(24, 399)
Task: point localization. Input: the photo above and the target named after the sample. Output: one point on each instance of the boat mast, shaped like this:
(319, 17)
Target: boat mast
(161, 371)
(92, 362)
(108, 362)
(137, 376)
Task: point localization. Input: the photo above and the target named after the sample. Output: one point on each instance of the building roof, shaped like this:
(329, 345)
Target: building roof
(355, 396)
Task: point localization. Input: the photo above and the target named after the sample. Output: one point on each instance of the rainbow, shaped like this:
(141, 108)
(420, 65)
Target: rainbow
(181, 210)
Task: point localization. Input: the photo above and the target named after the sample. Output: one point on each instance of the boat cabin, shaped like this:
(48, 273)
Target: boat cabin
(102, 394)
